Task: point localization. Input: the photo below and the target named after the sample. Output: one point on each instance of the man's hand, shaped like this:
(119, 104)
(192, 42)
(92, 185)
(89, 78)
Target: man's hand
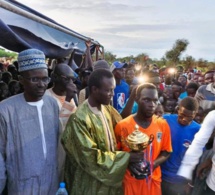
(163, 156)
(138, 167)
(71, 90)
(133, 91)
(88, 43)
(135, 169)
(134, 163)
(188, 187)
(97, 47)
(204, 167)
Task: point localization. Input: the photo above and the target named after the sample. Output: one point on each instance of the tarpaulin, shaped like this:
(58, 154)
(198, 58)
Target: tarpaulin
(18, 33)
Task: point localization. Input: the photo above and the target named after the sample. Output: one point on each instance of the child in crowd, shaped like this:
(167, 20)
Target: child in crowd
(200, 115)
(4, 92)
(169, 105)
(159, 111)
(176, 89)
(191, 89)
(167, 94)
(14, 87)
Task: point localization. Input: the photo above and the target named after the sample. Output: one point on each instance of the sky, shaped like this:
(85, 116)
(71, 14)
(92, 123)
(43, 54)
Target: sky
(131, 27)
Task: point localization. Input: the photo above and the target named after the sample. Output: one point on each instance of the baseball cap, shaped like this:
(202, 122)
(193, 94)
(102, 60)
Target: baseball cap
(132, 61)
(118, 65)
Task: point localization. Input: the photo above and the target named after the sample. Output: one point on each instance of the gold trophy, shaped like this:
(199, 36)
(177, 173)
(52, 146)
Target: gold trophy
(138, 141)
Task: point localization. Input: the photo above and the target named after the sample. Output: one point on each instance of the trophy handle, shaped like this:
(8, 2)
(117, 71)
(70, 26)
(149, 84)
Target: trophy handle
(151, 138)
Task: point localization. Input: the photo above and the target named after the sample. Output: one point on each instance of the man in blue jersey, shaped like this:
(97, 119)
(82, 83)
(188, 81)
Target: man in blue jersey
(121, 92)
(183, 129)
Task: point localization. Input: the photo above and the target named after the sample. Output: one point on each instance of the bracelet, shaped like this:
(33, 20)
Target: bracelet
(190, 185)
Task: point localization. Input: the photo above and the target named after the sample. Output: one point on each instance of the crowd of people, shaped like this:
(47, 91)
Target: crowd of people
(60, 123)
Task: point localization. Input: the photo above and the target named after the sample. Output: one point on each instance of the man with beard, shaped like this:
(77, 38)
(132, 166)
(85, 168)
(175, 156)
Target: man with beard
(29, 131)
(160, 149)
(93, 164)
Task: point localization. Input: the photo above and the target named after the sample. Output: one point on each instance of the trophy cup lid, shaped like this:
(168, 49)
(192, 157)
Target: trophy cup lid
(137, 137)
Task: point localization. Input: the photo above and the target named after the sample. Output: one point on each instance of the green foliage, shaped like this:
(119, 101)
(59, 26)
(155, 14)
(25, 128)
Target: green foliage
(4, 53)
(202, 63)
(126, 59)
(188, 62)
(174, 54)
(211, 65)
(142, 58)
(109, 57)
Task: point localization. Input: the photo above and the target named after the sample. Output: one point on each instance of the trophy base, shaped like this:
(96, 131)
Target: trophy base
(139, 177)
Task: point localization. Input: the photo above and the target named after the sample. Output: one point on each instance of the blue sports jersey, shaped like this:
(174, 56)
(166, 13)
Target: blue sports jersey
(181, 136)
(121, 94)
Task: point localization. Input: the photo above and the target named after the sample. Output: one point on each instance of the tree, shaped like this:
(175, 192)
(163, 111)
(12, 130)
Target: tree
(189, 62)
(126, 58)
(174, 54)
(211, 66)
(163, 60)
(4, 53)
(109, 57)
(161, 63)
(143, 59)
(202, 63)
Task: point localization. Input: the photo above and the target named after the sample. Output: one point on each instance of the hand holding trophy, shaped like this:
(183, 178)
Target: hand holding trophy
(138, 142)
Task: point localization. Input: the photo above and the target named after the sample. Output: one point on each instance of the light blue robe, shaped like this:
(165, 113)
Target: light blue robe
(22, 161)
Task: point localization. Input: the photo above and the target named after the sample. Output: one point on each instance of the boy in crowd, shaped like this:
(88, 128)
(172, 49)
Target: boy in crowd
(183, 129)
(169, 105)
(147, 100)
